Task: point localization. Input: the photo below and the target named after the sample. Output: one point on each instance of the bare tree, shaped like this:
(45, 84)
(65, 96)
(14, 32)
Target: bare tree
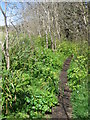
(6, 51)
(58, 20)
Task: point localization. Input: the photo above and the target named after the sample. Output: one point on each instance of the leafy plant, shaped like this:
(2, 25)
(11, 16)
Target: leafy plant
(30, 87)
(77, 76)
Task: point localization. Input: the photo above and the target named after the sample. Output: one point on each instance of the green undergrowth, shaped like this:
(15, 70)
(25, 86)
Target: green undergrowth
(31, 86)
(77, 76)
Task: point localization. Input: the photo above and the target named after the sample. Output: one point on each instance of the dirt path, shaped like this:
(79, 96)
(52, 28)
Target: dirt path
(64, 109)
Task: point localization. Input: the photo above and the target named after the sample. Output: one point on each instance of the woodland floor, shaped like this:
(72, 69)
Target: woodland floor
(64, 109)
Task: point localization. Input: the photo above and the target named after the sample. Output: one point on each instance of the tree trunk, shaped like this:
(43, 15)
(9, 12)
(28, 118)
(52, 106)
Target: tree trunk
(52, 46)
(56, 19)
(45, 28)
(46, 38)
(7, 38)
(7, 45)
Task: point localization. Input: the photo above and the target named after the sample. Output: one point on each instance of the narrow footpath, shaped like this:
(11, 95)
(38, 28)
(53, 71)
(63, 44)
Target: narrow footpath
(64, 109)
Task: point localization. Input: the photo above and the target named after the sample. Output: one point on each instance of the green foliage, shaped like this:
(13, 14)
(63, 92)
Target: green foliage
(77, 76)
(40, 100)
(67, 47)
(31, 85)
(79, 101)
(77, 72)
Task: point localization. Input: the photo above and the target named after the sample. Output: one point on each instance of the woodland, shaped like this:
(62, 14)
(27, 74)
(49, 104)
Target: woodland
(41, 44)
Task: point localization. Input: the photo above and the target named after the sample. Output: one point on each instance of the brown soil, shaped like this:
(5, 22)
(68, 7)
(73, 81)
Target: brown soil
(64, 109)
